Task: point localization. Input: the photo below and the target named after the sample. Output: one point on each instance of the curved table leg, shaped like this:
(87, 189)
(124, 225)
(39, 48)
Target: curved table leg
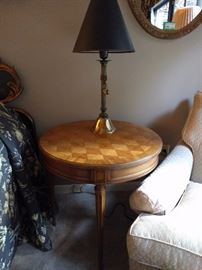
(100, 191)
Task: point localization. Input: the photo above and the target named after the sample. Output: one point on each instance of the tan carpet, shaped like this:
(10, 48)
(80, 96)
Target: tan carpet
(74, 237)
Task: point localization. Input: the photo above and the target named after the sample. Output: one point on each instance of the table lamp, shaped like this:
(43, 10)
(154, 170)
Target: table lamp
(103, 31)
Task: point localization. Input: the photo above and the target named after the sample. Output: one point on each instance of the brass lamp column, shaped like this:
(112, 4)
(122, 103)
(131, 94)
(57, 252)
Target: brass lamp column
(103, 123)
(103, 31)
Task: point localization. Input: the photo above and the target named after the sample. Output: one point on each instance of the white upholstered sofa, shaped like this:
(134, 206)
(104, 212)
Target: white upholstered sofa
(168, 232)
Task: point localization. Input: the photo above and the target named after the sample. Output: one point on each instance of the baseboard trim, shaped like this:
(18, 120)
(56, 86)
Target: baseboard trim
(82, 188)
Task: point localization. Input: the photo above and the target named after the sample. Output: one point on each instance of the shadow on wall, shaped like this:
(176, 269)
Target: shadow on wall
(170, 125)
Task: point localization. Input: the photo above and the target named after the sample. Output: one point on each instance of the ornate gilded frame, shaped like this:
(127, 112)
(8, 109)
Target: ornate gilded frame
(158, 33)
(10, 84)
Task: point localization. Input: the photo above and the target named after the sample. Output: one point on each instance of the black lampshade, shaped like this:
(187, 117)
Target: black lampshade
(103, 29)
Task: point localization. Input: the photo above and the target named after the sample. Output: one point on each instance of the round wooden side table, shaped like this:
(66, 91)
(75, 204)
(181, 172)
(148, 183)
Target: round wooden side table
(74, 152)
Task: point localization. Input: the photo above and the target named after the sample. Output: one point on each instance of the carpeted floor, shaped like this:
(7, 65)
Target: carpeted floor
(74, 237)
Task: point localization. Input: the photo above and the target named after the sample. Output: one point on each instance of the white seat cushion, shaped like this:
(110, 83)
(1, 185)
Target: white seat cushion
(172, 241)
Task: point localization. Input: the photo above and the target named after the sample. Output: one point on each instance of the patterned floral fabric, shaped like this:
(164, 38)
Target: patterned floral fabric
(22, 214)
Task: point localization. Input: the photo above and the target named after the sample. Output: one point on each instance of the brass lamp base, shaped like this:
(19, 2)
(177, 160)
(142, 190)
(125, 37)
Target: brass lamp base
(103, 125)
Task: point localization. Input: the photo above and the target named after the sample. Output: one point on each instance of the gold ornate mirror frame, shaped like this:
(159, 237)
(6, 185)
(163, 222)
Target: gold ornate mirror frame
(158, 33)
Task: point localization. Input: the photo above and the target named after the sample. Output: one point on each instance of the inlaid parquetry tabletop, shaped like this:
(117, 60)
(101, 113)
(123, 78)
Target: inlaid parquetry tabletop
(76, 143)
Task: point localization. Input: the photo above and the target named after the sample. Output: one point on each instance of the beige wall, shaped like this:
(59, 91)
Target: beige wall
(152, 87)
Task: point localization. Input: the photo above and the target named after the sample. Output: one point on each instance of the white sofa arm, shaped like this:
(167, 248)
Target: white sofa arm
(160, 192)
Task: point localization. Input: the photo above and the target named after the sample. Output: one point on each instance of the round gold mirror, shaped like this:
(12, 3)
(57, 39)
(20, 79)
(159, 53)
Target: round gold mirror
(167, 19)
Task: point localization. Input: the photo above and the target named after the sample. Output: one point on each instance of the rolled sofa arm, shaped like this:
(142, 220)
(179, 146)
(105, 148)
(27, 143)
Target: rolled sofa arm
(162, 189)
